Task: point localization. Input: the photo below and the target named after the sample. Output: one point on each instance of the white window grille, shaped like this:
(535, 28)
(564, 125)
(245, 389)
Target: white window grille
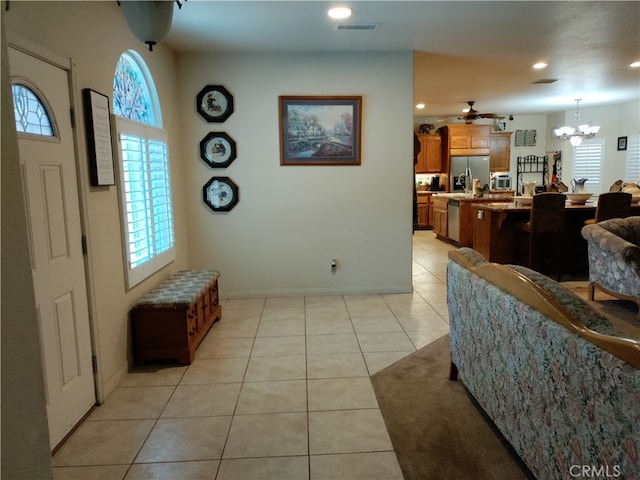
(632, 164)
(587, 163)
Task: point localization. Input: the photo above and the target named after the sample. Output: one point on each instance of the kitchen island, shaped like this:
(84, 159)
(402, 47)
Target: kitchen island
(494, 233)
(453, 214)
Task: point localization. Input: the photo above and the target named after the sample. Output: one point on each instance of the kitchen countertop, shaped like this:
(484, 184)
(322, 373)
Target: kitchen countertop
(513, 207)
(464, 197)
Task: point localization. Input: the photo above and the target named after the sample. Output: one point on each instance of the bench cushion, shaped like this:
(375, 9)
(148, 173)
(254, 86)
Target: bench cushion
(180, 290)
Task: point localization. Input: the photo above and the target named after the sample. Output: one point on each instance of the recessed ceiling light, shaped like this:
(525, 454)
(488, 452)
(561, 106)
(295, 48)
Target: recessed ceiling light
(540, 65)
(635, 65)
(340, 12)
(420, 106)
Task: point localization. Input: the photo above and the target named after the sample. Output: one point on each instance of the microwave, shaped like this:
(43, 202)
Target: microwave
(503, 182)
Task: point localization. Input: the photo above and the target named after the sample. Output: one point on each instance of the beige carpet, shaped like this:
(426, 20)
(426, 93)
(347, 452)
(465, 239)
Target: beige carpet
(438, 431)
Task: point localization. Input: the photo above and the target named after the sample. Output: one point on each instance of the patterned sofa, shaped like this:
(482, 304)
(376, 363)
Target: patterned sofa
(614, 257)
(565, 393)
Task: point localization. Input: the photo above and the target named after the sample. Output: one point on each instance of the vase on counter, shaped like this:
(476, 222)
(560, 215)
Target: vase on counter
(633, 189)
(529, 189)
(478, 191)
(578, 185)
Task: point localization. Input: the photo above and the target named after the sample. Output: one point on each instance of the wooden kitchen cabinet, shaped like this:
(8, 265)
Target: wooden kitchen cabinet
(430, 156)
(440, 216)
(425, 210)
(500, 152)
(430, 217)
(466, 139)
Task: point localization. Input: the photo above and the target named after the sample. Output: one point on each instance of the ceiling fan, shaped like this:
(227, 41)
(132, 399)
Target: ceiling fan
(473, 114)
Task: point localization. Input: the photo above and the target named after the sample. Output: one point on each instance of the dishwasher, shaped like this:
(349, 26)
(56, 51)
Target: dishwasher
(453, 223)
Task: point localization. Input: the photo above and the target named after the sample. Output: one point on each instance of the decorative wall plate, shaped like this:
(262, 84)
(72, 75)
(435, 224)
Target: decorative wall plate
(220, 194)
(214, 103)
(218, 149)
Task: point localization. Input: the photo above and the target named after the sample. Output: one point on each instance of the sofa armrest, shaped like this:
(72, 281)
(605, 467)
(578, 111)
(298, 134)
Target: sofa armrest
(528, 292)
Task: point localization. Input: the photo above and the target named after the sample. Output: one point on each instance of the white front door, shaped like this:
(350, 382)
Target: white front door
(51, 193)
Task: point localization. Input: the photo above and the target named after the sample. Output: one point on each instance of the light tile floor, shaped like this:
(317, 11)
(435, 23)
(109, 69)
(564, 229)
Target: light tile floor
(279, 389)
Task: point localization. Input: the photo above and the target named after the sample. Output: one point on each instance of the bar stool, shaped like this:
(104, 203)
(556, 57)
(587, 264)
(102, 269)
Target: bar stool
(612, 205)
(541, 239)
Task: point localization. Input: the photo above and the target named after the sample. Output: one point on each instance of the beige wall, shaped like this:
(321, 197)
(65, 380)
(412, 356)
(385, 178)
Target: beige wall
(292, 220)
(93, 35)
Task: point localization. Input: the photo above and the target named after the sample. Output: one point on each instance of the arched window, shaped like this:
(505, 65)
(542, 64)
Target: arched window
(32, 116)
(145, 187)
(134, 93)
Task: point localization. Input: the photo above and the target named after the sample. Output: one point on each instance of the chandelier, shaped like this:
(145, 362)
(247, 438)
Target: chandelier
(149, 20)
(576, 134)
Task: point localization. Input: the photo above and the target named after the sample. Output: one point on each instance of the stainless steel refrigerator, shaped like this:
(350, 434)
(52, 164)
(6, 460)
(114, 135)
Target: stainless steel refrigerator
(479, 166)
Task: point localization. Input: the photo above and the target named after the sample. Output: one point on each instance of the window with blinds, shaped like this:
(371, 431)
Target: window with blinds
(145, 199)
(632, 164)
(587, 163)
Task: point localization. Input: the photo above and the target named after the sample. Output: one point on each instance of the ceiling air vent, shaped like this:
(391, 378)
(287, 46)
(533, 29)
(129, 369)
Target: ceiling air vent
(545, 80)
(358, 26)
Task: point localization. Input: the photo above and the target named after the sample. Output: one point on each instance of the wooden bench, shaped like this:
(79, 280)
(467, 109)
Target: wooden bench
(171, 320)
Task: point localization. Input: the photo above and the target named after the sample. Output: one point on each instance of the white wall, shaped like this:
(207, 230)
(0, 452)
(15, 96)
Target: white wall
(292, 220)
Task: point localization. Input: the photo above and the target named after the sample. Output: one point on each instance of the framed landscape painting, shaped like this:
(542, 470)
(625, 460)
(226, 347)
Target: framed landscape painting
(320, 130)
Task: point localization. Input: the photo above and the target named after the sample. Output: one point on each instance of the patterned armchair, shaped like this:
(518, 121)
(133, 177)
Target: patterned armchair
(614, 257)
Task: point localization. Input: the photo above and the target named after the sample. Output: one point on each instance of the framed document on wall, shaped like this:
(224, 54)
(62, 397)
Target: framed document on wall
(96, 114)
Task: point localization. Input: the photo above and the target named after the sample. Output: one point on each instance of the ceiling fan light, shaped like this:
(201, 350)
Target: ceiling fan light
(149, 21)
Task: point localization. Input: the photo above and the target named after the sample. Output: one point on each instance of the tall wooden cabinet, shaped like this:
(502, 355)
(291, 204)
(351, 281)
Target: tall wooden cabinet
(462, 140)
(500, 152)
(430, 157)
